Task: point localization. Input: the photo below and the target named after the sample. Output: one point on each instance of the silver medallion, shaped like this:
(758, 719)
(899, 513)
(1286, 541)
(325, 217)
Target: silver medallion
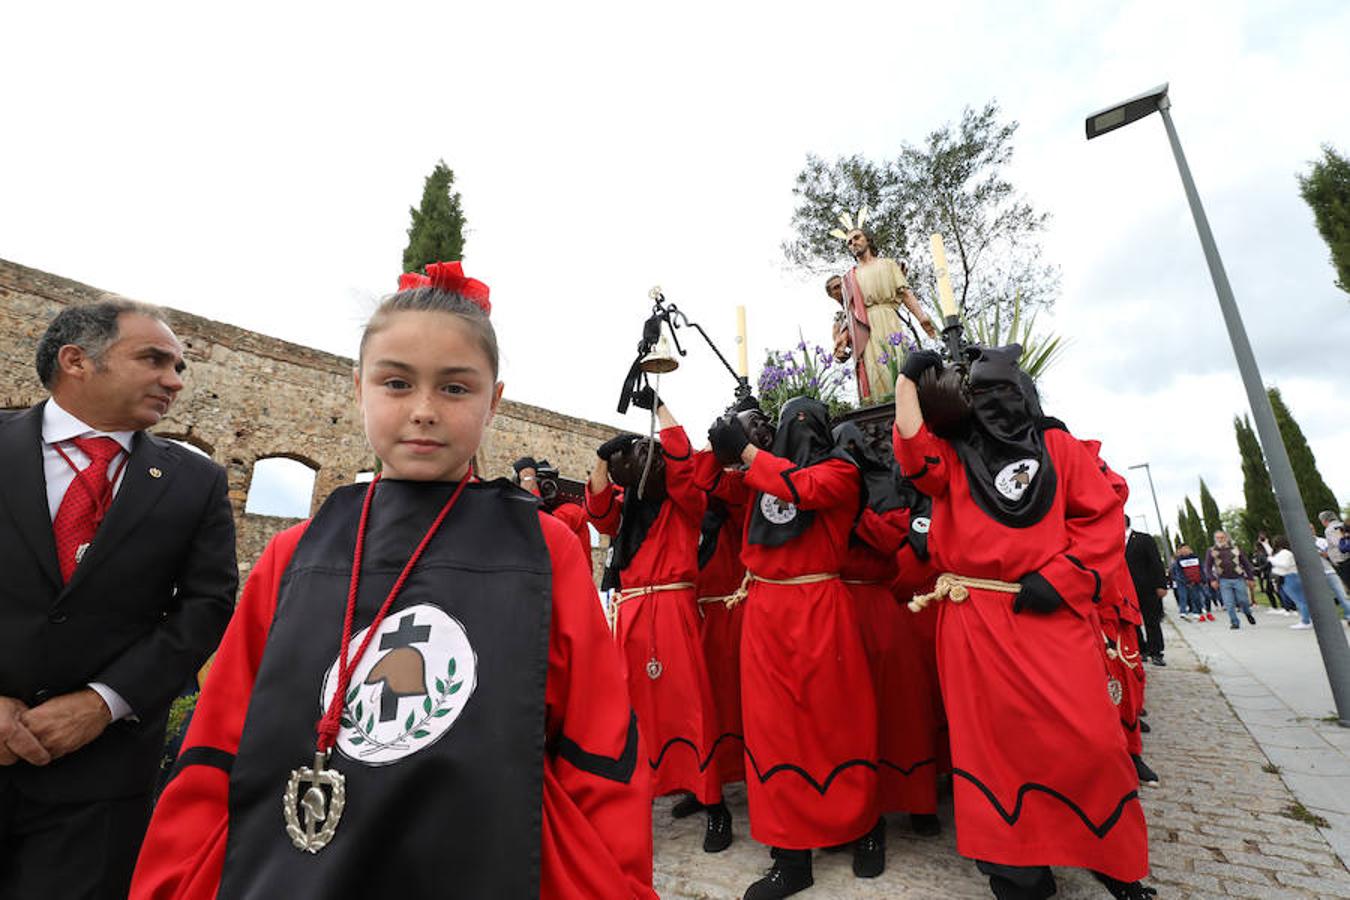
(1114, 690)
(312, 819)
(654, 668)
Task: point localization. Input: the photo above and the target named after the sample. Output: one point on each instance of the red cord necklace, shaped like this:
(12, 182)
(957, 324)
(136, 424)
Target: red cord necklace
(312, 820)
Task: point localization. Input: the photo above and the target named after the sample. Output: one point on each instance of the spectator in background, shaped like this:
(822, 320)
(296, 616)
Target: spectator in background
(1261, 553)
(1282, 562)
(1329, 570)
(1145, 563)
(1188, 578)
(1336, 536)
(1231, 574)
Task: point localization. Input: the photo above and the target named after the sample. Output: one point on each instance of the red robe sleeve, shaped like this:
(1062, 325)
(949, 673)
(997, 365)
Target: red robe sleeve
(603, 508)
(597, 831)
(923, 460)
(822, 486)
(184, 850)
(727, 485)
(883, 532)
(681, 468)
(575, 518)
(1092, 521)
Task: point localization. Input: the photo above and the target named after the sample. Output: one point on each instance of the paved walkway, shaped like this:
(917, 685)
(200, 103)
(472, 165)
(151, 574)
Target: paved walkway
(1218, 823)
(1275, 681)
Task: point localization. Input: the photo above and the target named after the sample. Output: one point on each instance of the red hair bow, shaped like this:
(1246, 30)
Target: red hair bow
(448, 276)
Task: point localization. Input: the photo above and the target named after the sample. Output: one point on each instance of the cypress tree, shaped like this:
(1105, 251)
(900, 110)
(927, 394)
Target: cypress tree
(1326, 188)
(1263, 511)
(1194, 529)
(1209, 511)
(1316, 495)
(437, 230)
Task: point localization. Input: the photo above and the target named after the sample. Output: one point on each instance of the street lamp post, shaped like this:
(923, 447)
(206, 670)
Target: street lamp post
(1156, 510)
(1330, 635)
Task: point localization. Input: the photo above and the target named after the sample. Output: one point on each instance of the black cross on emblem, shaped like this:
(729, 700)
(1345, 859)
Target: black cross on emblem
(407, 634)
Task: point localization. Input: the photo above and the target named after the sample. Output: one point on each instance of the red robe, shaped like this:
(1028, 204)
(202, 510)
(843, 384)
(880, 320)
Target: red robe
(916, 576)
(596, 835)
(906, 724)
(675, 710)
(806, 689)
(720, 629)
(1041, 773)
(1120, 617)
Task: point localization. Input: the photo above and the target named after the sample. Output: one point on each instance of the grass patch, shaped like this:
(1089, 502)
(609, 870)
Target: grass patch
(1331, 718)
(1271, 769)
(1300, 813)
(1203, 668)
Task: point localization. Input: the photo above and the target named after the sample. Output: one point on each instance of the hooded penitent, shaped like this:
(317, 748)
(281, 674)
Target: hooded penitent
(881, 477)
(1011, 475)
(640, 508)
(803, 437)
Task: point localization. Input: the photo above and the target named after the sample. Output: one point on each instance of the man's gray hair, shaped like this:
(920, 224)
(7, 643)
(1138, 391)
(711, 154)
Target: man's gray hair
(91, 327)
(1327, 516)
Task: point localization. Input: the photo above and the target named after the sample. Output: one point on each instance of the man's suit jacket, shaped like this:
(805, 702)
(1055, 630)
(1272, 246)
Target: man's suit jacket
(147, 604)
(1146, 571)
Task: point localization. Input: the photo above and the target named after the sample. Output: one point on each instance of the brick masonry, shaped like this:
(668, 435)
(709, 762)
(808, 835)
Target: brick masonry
(250, 397)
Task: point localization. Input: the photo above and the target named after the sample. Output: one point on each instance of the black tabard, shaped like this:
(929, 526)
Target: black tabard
(460, 816)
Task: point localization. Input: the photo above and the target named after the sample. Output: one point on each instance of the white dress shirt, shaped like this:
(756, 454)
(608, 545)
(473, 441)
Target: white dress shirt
(60, 428)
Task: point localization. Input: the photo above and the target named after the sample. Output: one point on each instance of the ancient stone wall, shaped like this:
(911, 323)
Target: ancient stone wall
(250, 397)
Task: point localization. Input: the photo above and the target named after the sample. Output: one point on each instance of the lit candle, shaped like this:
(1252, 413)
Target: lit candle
(946, 300)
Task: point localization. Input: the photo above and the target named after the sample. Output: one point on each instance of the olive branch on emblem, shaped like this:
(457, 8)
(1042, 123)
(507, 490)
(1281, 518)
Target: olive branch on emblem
(362, 720)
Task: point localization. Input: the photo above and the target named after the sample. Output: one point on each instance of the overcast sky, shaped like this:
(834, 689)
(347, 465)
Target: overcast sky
(254, 163)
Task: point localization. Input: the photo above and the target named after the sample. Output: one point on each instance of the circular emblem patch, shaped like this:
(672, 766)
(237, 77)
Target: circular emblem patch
(1114, 690)
(1013, 479)
(414, 681)
(920, 525)
(777, 511)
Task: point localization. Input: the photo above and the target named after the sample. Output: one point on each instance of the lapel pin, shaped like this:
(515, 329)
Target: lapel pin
(155, 473)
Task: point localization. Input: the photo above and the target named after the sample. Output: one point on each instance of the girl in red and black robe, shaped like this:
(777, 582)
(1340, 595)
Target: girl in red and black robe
(906, 725)
(653, 567)
(1023, 527)
(806, 690)
(474, 736)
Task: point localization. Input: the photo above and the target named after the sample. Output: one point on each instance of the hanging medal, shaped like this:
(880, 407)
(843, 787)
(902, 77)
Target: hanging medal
(312, 816)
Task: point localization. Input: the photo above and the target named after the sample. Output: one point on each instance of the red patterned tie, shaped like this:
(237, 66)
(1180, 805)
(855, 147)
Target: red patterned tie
(86, 501)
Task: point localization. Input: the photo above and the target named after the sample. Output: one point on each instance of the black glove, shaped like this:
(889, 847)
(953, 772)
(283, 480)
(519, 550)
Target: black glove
(616, 444)
(919, 361)
(1037, 595)
(728, 439)
(644, 397)
(525, 462)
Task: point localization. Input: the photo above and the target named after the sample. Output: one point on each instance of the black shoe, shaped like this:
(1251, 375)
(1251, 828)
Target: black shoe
(1143, 727)
(869, 852)
(718, 836)
(1158, 660)
(687, 806)
(1007, 889)
(925, 824)
(1146, 775)
(1251, 619)
(791, 873)
(1134, 890)
(1234, 627)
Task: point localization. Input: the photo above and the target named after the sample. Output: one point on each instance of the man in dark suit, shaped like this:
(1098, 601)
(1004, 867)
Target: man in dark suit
(1150, 585)
(117, 579)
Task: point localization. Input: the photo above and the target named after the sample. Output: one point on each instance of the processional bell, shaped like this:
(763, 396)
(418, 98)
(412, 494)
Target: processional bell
(659, 360)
